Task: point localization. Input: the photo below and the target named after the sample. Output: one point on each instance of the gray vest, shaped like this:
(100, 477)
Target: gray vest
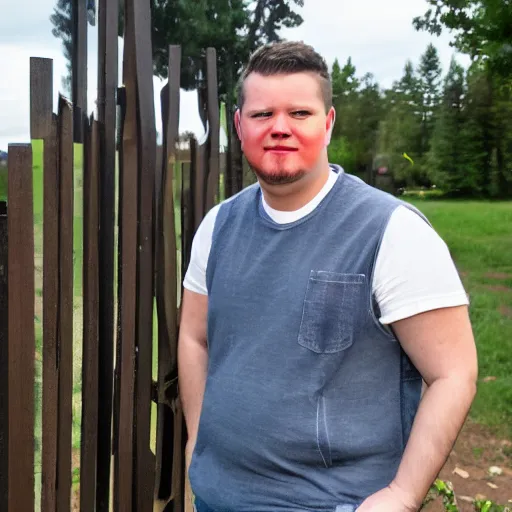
(309, 401)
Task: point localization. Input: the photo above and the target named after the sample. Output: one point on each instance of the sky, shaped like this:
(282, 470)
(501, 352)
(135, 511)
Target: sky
(377, 35)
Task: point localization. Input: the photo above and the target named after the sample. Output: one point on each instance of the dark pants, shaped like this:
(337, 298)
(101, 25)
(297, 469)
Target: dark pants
(201, 506)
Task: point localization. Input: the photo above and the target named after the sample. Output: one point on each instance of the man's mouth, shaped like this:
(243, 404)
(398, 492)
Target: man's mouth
(280, 149)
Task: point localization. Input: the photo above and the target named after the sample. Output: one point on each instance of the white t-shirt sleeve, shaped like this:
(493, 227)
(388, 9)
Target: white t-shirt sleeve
(195, 278)
(414, 271)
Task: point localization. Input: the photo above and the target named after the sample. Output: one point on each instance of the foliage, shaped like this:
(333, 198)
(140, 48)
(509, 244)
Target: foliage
(233, 27)
(445, 490)
(482, 29)
(456, 129)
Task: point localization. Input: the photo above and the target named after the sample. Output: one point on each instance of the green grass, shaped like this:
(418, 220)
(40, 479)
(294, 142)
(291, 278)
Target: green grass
(479, 236)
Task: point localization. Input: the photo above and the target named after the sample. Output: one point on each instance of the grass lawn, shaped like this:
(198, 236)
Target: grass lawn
(479, 235)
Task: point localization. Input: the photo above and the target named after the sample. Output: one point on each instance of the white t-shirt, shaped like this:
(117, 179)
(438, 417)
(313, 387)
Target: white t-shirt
(414, 271)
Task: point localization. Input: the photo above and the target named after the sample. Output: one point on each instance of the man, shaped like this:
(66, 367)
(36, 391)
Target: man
(314, 306)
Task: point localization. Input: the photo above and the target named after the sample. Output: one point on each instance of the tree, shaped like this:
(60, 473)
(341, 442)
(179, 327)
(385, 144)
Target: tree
(344, 87)
(222, 24)
(400, 129)
(447, 160)
(268, 17)
(430, 73)
(483, 29)
(63, 29)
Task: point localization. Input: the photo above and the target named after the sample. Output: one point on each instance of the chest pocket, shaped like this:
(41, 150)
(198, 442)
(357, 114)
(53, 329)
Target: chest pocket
(328, 317)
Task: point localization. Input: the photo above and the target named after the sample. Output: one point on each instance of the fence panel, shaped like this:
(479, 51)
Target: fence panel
(90, 359)
(65, 301)
(21, 335)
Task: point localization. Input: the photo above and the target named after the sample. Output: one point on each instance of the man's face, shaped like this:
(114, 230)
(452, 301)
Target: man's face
(283, 126)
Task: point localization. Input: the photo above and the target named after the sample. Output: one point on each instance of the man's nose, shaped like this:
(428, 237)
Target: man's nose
(280, 128)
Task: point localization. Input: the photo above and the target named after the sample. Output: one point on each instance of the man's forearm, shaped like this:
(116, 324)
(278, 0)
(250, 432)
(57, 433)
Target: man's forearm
(440, 417)
(193, 364)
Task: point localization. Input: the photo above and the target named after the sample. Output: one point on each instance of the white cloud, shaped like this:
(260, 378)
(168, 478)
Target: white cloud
(377, 35)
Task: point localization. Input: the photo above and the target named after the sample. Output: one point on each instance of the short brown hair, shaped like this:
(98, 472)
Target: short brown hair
(285, 58)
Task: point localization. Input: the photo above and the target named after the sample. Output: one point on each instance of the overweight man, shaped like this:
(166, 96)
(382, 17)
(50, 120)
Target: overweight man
(315, 306)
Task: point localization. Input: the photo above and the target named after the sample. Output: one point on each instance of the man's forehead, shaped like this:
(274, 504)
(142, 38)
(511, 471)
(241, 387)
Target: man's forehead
(302, 86)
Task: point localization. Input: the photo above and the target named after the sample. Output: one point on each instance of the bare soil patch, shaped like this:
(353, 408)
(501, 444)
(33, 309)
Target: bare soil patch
(475, 452)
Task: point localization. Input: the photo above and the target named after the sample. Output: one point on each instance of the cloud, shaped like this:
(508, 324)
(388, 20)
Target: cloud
(379, 37)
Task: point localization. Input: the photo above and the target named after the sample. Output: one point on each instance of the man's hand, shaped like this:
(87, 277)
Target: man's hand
(389, 499)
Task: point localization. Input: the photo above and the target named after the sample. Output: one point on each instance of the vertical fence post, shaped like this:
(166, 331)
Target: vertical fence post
(90, 397)
(127, 292)
(50, 318)
(168, 484)
(79, 67)
(213, 128)
(65, 313)
(4, 376)
(187, 212)
(108, 14)
(43, 125)
(21, 335)
(145, 463)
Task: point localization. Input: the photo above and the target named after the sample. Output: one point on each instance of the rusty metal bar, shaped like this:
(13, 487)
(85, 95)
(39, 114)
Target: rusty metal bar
(21, 335)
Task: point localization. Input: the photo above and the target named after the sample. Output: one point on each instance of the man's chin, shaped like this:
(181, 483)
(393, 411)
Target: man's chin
(279, 177)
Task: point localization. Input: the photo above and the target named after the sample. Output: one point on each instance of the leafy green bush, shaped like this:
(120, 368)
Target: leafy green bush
(445, 489)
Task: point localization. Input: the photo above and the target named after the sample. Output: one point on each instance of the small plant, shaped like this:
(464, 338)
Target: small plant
(445, 489)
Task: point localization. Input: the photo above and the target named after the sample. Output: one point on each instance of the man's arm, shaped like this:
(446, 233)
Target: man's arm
(192, 360)
(440, 344)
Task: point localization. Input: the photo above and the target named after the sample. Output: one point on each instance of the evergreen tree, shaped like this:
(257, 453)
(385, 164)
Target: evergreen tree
(430, 78)
(400, 129)
(447, 160)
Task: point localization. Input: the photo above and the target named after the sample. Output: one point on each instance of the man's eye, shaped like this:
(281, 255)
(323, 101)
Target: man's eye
(262, 114)
(301, 113)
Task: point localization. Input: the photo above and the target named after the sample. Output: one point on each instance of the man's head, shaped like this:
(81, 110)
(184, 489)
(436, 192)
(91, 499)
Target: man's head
(284, 59)
(285, 114)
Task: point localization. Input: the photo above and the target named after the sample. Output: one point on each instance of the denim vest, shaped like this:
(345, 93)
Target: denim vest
(309, 400)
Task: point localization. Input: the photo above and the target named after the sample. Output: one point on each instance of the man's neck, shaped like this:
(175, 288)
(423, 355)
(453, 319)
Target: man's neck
(293, 196)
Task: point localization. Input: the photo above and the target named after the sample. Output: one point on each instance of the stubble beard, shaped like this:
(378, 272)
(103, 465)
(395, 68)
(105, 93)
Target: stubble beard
(279, 177)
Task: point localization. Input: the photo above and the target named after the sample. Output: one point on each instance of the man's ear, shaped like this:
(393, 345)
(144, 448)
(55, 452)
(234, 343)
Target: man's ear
(238, 127)
(331, 119)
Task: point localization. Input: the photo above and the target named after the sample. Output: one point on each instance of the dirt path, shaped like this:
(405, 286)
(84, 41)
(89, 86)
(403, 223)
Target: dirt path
(474, 453)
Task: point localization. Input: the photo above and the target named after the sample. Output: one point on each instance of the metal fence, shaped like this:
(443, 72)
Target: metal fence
(158, 211)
